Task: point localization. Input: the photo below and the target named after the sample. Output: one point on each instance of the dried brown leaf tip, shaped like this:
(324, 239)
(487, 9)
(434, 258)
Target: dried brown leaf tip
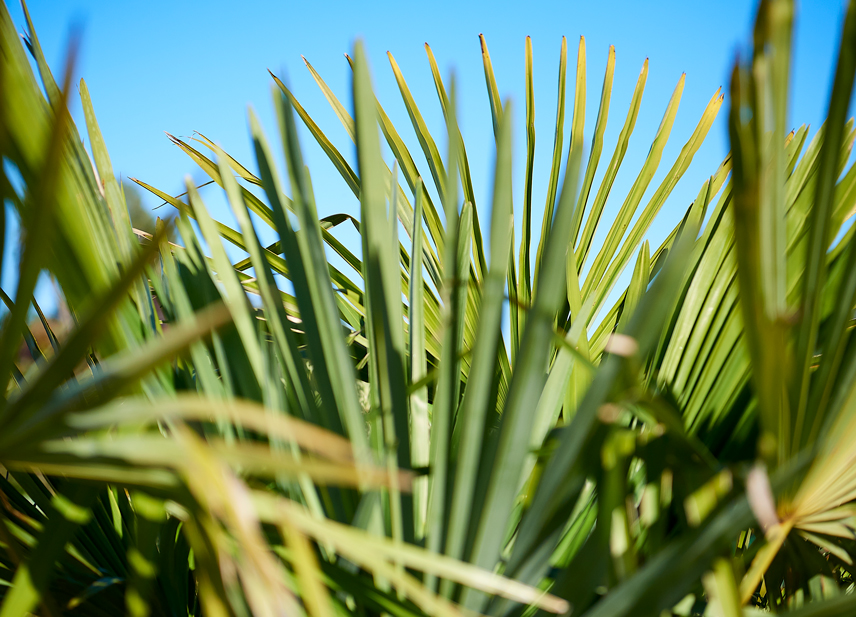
(622, 345)
(608, 413)
(760, 496)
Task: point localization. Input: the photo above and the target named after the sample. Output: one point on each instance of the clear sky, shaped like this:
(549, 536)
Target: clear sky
(182, 67)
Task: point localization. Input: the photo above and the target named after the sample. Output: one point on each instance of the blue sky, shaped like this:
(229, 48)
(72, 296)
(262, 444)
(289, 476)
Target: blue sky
(182, 67)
